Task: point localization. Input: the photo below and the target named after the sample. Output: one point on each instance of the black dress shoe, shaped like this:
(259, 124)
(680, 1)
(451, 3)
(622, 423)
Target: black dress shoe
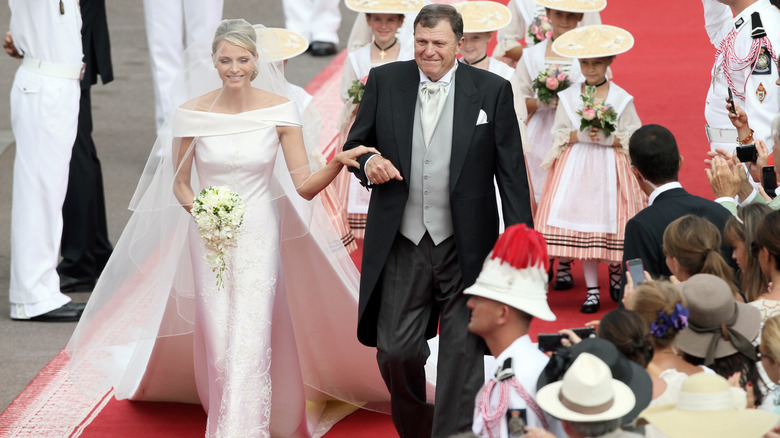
(322, 48)
(70, 284)
(70, 312)
(591, 304)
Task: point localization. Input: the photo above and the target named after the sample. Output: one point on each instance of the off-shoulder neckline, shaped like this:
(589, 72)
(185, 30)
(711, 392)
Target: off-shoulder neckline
(239, 113)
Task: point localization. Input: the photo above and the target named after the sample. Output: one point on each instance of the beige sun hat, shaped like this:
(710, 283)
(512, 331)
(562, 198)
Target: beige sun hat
(595, 41)
(578, 6)
(385, 6)
(515, 272)
(483, 16)
(709, 407)
(587, 393)
(280, 44)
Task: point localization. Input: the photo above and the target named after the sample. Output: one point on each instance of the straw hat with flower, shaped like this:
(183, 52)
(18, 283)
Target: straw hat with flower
(576, 6)
(483, 16)
(596, 41)
(708, 407)
(280, 44)
(385, 6)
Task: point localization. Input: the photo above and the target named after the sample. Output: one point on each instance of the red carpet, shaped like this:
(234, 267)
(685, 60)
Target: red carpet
(667, 72)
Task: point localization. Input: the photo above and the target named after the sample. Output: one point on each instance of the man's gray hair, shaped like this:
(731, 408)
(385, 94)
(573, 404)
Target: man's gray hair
(775, 130)
(430, 15)
(595, 428)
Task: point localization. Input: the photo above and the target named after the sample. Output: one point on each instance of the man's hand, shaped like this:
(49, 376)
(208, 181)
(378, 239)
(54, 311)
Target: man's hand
(380, 170)
(10, 49)
(725, 182)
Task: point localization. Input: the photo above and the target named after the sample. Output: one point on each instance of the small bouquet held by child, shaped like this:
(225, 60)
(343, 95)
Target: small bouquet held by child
(355, 92)
(597, 114)
(550, 82)
(540, 29)
(219, 213)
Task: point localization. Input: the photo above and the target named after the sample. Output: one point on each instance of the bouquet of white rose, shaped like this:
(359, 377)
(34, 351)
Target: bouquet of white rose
(219, 213)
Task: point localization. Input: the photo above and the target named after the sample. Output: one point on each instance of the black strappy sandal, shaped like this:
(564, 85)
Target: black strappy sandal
(563, 278)
(615, 278)
(591, 304)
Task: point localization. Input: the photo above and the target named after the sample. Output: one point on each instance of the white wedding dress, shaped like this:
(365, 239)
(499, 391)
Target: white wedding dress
(259, 366)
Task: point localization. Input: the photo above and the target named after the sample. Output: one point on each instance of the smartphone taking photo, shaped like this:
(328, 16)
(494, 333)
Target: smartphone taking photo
(769, 180)
(733, 109)
(637, 270)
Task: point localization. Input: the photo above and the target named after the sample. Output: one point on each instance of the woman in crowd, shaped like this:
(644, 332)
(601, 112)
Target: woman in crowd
(720, 332)
(385, 46)
(159, 327)
(590, 193)
(770, 352)
(765, 248)
(739, 234)
(692, 246)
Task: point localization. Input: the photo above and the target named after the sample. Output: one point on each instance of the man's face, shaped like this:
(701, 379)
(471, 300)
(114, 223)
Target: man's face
(435, 49)
(483, 315)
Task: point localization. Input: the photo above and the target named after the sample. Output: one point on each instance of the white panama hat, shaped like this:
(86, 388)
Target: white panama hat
(577, 6)
(587, 393)
(595, 41)
(515, 274)
(483, 16)
(385, 6)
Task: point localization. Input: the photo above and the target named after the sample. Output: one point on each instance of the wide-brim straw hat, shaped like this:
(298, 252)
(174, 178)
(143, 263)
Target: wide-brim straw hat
(517, 276)
(708, 407)
(385, 6)
(587, 393)
(595, 41)
(577, 6)
(622, 368)
(483, 16)
(710, 303)
(280, 44)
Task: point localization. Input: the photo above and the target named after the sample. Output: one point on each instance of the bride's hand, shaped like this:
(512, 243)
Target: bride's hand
(348, 158)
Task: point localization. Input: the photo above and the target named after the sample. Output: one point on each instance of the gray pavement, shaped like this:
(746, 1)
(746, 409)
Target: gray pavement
(124, 133)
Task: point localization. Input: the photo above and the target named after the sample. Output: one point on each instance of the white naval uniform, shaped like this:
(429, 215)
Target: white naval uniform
(718, 23)
(316, 20)
(528, 363)
(171, 26)
(44, 117)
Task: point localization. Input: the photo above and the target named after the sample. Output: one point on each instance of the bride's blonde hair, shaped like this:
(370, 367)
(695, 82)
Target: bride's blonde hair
(237, 32)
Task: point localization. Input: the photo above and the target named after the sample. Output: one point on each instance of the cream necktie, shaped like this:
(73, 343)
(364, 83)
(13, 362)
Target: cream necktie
(432, 98)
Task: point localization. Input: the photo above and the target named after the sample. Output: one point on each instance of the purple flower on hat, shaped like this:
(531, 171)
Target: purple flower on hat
(680, 317)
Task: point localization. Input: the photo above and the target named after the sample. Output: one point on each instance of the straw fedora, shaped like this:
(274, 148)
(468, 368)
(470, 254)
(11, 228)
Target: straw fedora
(483, 16)
(620, 366)
(385, 6)
(514, 273)
(577, 6)
(716, 321)
(587, 393)
(280, 44)
(708, 407)
(595, 41)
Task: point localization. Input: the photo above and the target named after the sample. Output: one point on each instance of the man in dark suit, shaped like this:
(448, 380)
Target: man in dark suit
(656, 161)
(85, 247)
(432, 217)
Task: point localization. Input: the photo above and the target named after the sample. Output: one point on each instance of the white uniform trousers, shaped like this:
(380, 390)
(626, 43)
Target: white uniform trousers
(171, 26)
(317, 20)
(44, 118)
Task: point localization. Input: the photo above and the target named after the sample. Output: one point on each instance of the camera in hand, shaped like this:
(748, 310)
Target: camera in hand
(552, 341)
(515, 422)
(747, 153)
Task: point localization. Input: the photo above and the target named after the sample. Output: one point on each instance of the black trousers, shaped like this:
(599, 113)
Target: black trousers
(417, 280)
(85, 247)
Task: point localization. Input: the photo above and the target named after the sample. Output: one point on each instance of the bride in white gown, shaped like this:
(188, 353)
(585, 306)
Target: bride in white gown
(159, 328)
